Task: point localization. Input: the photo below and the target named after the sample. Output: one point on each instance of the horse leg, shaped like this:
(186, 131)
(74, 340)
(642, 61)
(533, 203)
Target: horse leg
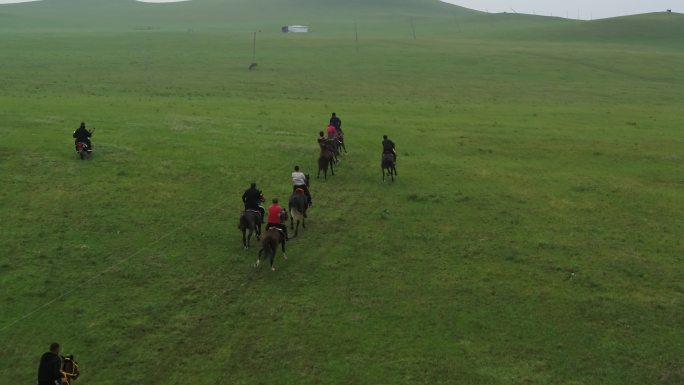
(282, 245)
(244, 238)
(258, 261)
(332, 168)
(297, 229)
(258, 231)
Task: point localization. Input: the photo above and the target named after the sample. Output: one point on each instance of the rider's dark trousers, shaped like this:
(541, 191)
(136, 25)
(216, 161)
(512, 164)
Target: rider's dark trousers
(259, 209)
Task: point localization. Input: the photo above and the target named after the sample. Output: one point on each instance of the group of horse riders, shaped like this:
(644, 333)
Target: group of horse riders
(253, 197)
(335, 135)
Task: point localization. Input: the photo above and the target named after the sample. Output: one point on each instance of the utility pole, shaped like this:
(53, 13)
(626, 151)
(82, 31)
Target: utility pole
(356, 33)
(413, 28)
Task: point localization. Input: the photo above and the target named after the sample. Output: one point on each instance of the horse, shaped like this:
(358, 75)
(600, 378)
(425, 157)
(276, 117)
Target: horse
(325, 160)
(69, 370)
(298, 205)
(250, 220)
(388, 165)
(335, 148)
(269, 246)
(340, 143)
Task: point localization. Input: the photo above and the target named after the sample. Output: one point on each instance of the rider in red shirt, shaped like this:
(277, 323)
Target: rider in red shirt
(332, 132)
(275, 213)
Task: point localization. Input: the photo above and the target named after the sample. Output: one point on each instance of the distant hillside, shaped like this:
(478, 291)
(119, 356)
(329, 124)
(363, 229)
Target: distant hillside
(653, 28)
(215, 14)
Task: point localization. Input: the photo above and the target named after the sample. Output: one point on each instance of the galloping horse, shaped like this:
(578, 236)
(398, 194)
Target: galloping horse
(325, 160)
(388, 165)
(298, 205)
(269, 246)
(250, 220)
(340, 143)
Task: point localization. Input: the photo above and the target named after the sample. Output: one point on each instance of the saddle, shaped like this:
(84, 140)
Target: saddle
(257, 212)
(299, 190)
(271, 227)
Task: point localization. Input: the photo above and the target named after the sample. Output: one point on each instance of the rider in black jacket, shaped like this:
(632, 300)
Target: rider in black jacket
(252, 199)
(49, 371)
(388, 147)
(337, 123)
(83, 136)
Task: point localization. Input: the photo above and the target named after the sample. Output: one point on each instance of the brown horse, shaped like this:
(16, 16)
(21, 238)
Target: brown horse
(326, 159)
(269, 246)
(250, 220)
(389, 166)
(340, 143)
(298, 205)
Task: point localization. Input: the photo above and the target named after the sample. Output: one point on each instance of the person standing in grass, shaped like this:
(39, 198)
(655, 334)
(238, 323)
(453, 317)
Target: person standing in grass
(252, 199)
(299, 181)
(50, 368)
(388, 147)
(275, 218)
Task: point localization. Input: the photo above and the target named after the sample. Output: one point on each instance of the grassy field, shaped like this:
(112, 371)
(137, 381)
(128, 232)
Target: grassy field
(534, 235)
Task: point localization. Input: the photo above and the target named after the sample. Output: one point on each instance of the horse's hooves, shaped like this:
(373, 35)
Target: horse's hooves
(272, 268)
(246, 247)
(284, 255)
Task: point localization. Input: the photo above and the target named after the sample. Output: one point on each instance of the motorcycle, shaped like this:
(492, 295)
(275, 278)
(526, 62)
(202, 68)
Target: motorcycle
(83, 150)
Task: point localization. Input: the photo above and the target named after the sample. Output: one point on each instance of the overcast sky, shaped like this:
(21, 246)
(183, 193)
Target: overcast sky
(587, 8)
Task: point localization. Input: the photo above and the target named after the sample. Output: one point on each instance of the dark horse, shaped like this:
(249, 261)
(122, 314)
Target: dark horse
(250, 220)
(325, 160)
(389, 166)
(298, 205)
(269, 246)
(340, 143)
(69, 370)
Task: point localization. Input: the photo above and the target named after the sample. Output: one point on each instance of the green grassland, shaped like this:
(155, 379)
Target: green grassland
(534, 235)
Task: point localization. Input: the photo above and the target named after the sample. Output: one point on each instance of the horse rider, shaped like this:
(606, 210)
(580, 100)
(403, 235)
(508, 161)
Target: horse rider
(275, 218)
(322, 142)
(82, 135)
(299, 181)
(50, 368)
(252, 199)
(332, 132)
(388, 147)
(335, 121)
